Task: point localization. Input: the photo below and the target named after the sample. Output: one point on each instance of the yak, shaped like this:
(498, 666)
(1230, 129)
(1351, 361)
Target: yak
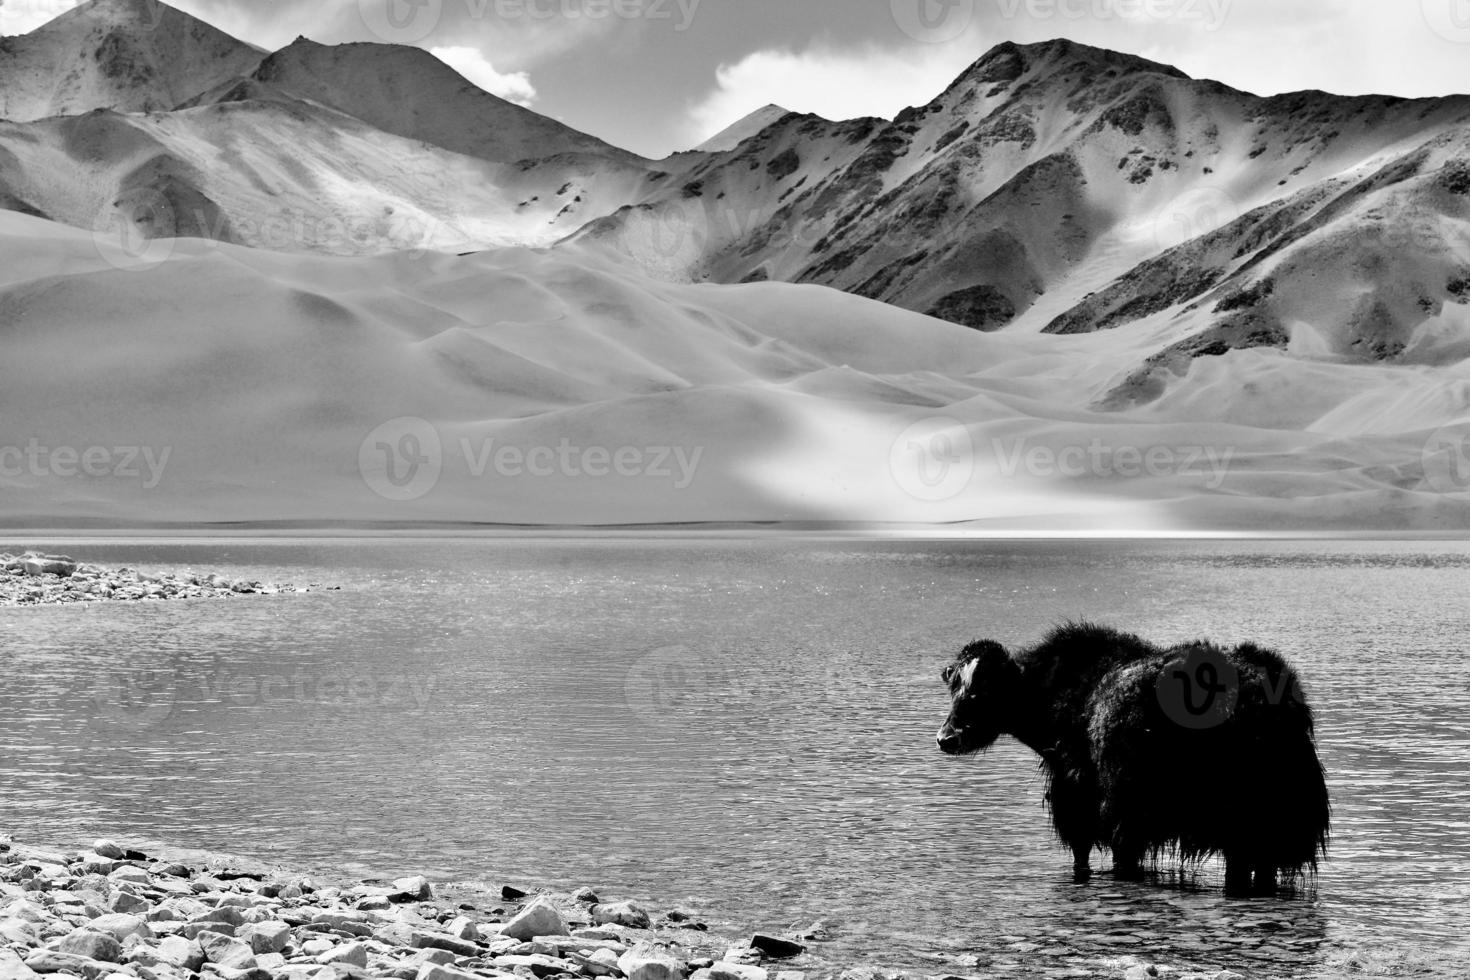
(1190, 751)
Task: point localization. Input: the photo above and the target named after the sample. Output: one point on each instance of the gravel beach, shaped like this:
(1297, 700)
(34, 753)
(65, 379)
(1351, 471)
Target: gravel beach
(35, 578)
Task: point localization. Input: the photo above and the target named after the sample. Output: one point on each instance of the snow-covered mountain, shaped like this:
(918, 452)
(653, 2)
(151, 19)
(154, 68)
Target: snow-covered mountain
(408, 92)
(128, 55)
(1172, 305)
(1063, 188)
(352, 149)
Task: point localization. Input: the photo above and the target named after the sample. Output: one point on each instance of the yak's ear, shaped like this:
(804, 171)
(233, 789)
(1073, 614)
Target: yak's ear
(947, 674)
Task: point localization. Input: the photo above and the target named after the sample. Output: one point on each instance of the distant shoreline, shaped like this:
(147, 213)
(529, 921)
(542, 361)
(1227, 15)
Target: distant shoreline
(44, 529)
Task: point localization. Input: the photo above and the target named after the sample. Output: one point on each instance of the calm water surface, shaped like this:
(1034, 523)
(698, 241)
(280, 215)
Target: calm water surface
(743, 728)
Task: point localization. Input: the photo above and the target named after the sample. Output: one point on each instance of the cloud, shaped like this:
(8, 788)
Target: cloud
(24, 16)
(837, 84)
(472, 64)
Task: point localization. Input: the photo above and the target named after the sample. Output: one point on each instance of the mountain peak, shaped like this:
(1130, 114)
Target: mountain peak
(1009, 60)
(407, 91)
(742, 129)
(125, 55)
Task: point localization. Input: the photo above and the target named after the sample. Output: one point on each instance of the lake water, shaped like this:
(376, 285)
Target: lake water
(742, 728)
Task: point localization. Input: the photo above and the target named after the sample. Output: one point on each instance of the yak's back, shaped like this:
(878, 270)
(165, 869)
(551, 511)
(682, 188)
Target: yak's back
(1075, 658)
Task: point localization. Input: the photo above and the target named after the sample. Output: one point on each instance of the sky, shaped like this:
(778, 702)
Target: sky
(656, 76)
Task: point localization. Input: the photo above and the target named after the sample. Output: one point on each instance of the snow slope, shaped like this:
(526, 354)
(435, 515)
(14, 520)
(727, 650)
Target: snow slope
(742, 129)
(559, 387)
(291, 176)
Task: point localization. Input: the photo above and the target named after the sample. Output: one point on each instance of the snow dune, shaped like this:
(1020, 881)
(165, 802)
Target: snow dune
(200, 381)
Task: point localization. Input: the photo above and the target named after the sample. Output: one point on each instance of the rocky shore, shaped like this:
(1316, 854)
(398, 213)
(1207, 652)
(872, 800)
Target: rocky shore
(37, 579)
(112, 913)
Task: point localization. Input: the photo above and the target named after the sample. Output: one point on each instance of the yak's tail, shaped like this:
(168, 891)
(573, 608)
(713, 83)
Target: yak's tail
(1276, 730)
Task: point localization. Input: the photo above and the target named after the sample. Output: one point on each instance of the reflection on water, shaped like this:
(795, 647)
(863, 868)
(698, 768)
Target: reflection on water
(742, 727)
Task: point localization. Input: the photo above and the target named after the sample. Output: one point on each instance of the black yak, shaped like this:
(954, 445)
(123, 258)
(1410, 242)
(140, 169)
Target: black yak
(1190, 751)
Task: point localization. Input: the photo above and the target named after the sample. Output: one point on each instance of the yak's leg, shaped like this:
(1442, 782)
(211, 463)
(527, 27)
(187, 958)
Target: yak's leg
(1237, 874)
(1081, 862)
(1264, 882)
(1074, 810)
(1127, 863)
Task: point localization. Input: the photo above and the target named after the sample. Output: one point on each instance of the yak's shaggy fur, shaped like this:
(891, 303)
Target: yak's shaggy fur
(1125, 774)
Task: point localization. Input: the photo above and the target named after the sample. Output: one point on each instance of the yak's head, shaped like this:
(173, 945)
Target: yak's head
(982, 681)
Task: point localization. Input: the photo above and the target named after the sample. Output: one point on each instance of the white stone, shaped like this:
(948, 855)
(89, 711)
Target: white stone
(540, 918)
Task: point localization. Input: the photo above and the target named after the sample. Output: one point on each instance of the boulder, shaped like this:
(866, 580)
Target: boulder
(121, 926)
(54, 961)
(414, 889)
(731, 971)
(433, 971)
(270, 936)
(181, 952)
(108, 849)
(540, 918)
(629, 914)
(226, 951)
(428, 939)
(351, 954)
(93, 945)
(775, 947)
(49, 566)
(12, 967)
(126, 903)
(651, 961)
